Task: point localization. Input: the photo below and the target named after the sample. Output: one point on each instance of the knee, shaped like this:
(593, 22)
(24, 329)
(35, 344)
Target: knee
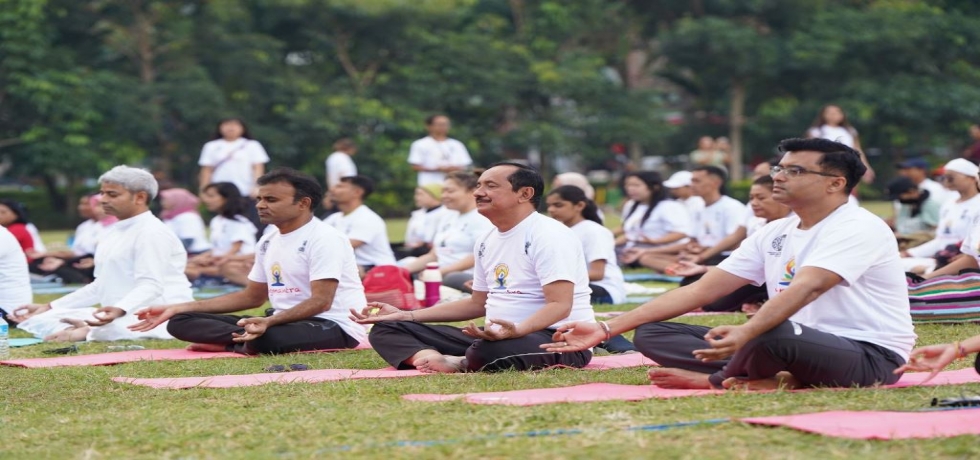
(484, 353)
(381, 330)
(772, 336)
(648, 333)
(178, 323)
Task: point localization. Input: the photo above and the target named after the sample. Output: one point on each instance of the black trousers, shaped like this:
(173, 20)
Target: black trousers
(67, 271)
(814, 358)
(306, 335)
(397, 341)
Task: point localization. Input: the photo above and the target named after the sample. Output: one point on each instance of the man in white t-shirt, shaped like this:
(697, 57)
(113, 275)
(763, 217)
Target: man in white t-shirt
(139, 263)
(838, 309)
(679, 185)
(339, 163)
(720, 226)
(304, 268)
(527, 281)
(436, 154)
(367, 231)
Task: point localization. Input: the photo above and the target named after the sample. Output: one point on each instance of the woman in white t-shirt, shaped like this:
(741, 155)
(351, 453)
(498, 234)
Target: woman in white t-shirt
(424, 222)
(651, 219)
(178, 209)
(452, 247)
(232, 234)
(831, 123)
(233, 156)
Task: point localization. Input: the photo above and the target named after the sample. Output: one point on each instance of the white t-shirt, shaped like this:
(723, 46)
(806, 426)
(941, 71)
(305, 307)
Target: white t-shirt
(87, 236)
(189, 227)
(363, 224)
(339, 164)
(694, 205)
(424, 224)
(719, 220)
(598, 243)
(512, 268)
(233, 161)
(457, 236)
(668, 216)
(971, 245)
(226, 232)
(36, 236)
(955, 224)
(15, 281)
(835, 133)
(430, 154)
(871, 303)
(289, 263)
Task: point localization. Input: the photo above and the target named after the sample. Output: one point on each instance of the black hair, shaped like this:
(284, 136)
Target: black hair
(576, 195)
(819, 120)
(306, 185)
(525, 176)
(837, 157)
(217, 128)
(235, 204)
(365, 184)
(18, 209)
(432, 118)
(654, 183)
(765, 181)
(467, 180)
(344, 143)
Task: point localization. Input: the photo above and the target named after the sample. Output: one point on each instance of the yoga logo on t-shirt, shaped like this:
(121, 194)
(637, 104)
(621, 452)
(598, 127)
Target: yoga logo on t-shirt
(777, 245)
(500, 273)
(277, 275)
(789, 273)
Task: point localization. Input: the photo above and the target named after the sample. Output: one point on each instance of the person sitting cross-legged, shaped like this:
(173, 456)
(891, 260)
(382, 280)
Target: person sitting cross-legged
(304, 267)
(528, 280)
(837, 313)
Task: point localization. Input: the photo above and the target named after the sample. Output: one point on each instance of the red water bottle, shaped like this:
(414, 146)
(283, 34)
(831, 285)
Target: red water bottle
(432, 278)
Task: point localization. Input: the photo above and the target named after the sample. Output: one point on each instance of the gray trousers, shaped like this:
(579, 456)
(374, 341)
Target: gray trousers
(814, 358)
(456, 280)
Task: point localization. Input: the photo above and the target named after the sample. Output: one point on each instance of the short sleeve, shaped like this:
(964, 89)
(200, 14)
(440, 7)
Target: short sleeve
(239, 231)
(416, 154)
(677, 218)
(257, 153)
(814, 133)
(847, 253)
(555, 259)
(464, 158)
(257, 273)
(479, 271)
(207, 156)
(364, 228)
(323, 257)
(735, 218)
(599, 245)
(748, 261)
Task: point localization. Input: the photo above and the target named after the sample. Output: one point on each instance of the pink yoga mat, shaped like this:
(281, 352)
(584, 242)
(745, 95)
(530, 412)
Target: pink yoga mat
(880, 425)
(330, 375)
(106, 359)
(615, 392)
(613, 314)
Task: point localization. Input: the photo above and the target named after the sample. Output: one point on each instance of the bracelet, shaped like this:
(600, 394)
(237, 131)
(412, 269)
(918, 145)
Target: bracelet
(605, 328)
(960, 351)
(412, 313)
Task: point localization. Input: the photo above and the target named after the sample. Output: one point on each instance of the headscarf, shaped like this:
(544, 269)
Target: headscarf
(577, 180)
(178, 201)
(95, 201)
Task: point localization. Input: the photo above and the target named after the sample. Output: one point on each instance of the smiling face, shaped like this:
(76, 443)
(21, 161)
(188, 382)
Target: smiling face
(457, 197)
(122, 203)
(564, 211)
(276, 203)
(494, 194)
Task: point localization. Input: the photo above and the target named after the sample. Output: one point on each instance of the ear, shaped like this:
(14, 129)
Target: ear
(306, 203)
(837, 185)
(526, 194)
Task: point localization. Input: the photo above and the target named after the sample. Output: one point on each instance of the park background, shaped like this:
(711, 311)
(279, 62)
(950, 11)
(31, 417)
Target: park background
(87, 84)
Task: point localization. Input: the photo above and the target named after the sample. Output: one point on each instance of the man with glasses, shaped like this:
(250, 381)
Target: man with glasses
(956, 219)
(837, 314)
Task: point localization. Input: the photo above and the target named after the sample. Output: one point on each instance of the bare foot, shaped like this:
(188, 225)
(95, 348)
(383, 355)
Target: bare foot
(440, 364)
(208, 347)
(751, 308)
(782, 380)
(72, 334)
(678, 379)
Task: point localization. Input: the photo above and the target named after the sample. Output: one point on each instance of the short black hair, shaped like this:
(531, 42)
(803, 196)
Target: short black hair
(306, 185)
(714, 171)
(525, 176)
(365, 184)
(235, 204)
(432, 118)
(217, 128)
(466, 179)
(837, 157)
(765, 181)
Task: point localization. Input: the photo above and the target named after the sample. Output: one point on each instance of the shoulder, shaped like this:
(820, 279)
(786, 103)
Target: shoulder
(669, 206)
(368, 214)
(209, 145)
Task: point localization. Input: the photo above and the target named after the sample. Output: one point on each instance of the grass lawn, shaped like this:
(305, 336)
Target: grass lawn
(81, 413)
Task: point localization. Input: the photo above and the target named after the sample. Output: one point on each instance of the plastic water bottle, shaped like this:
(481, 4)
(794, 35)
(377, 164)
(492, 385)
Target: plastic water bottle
(433, 281)
(4, 339)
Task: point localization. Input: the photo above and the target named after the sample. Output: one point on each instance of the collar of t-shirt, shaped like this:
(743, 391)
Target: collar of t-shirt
(517, 228)
(127, 223)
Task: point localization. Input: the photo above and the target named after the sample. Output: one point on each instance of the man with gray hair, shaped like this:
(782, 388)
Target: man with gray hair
(139, 263)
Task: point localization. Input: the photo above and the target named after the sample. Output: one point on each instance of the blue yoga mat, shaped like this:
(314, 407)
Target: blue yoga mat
(52, 290)
(24, 342)
(633, 277)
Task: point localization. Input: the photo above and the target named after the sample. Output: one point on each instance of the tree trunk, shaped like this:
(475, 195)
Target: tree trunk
(736, 120)
(58, 203)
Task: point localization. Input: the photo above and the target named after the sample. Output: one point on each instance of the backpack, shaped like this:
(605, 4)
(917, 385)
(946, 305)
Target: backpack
(392, 285)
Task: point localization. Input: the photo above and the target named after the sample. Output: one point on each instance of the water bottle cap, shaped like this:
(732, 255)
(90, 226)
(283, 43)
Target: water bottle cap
(432, 266)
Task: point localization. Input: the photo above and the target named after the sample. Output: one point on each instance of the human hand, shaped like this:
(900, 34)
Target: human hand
(686, 268)
(930, 359)
(25, 312)
(724, 341)
(152, 317)
(376, 312)
(85, 263)
(630, 255)
(254, 328)
(575, 336)
(495, 329)
(50, 264)
(105, 315)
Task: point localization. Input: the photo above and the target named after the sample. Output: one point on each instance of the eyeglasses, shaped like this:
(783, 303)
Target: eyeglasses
(947, 178)
(796, 171)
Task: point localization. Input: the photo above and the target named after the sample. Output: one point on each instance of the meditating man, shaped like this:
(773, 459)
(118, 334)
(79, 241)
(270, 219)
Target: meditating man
(139, 262)
(366, 230)
(303, 267)
(527, 280)
(837, 314)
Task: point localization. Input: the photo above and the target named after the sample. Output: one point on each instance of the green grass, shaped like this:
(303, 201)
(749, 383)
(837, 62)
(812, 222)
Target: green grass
(81, 413)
